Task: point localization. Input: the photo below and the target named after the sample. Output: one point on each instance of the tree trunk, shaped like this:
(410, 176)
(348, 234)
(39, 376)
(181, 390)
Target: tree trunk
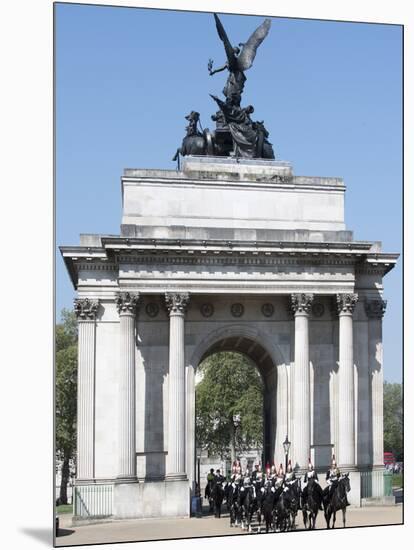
(63, 496)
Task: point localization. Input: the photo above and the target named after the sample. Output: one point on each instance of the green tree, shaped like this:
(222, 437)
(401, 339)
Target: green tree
(393, 419)
(66, 385)
(230, 385)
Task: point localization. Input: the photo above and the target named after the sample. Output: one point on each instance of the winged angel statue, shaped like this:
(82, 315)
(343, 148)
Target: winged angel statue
(238, 60)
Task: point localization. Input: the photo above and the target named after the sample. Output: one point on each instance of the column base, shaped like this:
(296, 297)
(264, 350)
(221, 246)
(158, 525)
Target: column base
(126, 479)
(176, 477)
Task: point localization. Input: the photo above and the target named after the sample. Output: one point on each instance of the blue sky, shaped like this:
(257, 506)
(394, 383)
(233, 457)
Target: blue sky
(329, 92)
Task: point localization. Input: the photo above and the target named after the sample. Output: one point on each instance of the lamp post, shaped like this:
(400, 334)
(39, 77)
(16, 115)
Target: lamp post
(286, 447)
(236, 424)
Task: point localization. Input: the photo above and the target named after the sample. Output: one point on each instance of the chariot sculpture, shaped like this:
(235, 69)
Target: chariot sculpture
(235, 134)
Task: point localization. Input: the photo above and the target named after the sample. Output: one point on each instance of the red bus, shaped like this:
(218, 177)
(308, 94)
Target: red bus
(389, 458)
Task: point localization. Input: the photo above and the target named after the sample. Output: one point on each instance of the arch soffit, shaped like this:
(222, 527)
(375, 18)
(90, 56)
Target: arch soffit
(233, 331)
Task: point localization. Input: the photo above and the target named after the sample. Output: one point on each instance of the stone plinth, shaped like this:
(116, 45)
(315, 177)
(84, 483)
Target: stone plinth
(212, 194)
(152, 499)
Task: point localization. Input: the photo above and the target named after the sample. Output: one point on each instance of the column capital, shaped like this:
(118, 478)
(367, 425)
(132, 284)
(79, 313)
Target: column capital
(85, 309)
(301, 303)
(127, 302)
(346, 303)
(375, 309)
(177, 302)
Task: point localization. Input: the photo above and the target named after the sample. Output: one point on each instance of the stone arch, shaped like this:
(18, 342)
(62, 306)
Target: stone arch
(266, 355)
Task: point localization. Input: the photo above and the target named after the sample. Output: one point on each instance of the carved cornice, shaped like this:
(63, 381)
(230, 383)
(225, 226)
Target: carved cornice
(85, 309)
(301, 303)
(375, 309)
(346, 303)
(127, 302)
(236, 258)
(177, 302)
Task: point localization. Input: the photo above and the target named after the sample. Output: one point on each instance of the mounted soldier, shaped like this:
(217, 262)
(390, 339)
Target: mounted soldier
(290, 476)
(311, 474)
(258, 480)
(332, 478)
(219, 477)
(279, 478)
(311, 497)
(209, 487)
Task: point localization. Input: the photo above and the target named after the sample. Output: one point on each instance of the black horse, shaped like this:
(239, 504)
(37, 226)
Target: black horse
(337, 501)
(217, 495)
(257, 505)
(231, 495)
(311, 503)
(208, 494)
(292, 496)
(282, 510)
(245, 503)
(268, 501)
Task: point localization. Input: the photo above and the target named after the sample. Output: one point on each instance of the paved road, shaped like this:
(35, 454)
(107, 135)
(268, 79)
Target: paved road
(141, 530)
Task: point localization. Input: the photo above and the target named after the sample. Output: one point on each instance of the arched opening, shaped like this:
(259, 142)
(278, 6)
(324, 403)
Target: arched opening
(229, 406)
(241, 365)
(268, 360)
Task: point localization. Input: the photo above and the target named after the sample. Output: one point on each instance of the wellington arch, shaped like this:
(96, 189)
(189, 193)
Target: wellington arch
(224, 254)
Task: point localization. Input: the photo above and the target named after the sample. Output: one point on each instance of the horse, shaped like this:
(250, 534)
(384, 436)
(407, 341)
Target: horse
(217, 495)
(257, 505)
(245, 501)
(292, 496)
(208, 494)
(232, 491)
(282, 511)
(337, 501)
(268, 501)
(312, 500)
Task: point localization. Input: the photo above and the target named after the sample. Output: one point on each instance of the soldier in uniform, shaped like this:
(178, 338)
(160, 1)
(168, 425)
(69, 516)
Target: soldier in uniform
(279, 477)
(219, 478)
(236, 474)
(290, 474)
(247, 480)
(333, 476)
(210, 479)
(273, 473)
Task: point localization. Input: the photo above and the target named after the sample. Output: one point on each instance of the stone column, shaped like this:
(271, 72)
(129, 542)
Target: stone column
(375, 310)
(176, 304)
(301, 304)
(346, 399)
(127, 304)
(85, 310)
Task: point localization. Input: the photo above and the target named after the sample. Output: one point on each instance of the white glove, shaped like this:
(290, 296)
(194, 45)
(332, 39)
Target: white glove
(273, 490)
(262, 490)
